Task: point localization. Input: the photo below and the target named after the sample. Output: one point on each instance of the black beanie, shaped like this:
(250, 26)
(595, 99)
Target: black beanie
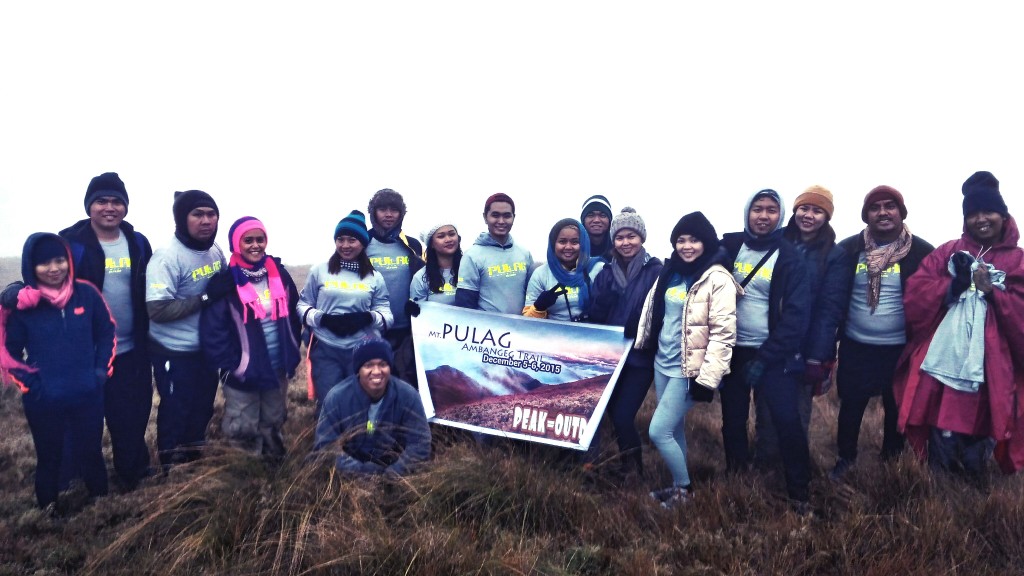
(106, 184)
(47, 248)
(697, 225)
(185, 202)
(981, 194)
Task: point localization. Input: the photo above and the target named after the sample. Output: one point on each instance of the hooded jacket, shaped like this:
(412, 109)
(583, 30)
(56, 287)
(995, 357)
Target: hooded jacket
(72, 348)
(240, 348)
(996, 409)
(493, 277)
(89, 260)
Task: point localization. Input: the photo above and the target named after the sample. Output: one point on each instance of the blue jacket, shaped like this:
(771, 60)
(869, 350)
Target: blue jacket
(241, 348)
(828, 281)
(788, 303)
(72, 347)
(89, 258)
(399, 440)
(614, 307)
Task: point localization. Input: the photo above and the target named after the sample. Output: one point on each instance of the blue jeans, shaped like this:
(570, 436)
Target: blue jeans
(328, 366)
(187, 386)
(668, 425)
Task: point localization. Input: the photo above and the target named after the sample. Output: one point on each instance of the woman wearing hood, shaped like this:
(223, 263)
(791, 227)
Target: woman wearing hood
(771, 322)
(560, 289)
(689, 316)
(252, 336)
(64, 331)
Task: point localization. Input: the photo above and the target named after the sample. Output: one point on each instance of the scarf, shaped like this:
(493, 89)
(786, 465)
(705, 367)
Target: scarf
(245, 274)
(578, 277)
(633, 269)
(878, 258)
(29, 297)
(675, 269)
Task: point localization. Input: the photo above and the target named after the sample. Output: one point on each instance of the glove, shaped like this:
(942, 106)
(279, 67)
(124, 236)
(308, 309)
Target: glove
(961, 273)
(412, 308)
(548, 298)
(219, 286)
(347, 323)
(753, 372)
(9, 298)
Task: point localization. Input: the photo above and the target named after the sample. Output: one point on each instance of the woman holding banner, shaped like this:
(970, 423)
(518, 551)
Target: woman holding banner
(689, 319)
(439, 278)
(618, 296)
(561, 288)
(344, 301)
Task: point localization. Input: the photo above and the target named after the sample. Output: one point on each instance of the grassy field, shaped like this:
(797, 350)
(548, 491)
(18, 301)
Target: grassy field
(518, 509)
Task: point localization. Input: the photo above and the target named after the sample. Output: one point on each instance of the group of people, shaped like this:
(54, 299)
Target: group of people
(771, 315)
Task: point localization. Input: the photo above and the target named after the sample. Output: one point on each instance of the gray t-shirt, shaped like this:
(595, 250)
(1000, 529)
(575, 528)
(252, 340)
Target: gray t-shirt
(177, 271)
(117, 290)
(419, 288)
(392, 261)
(887, 325)
(668, 360)
(752, 308)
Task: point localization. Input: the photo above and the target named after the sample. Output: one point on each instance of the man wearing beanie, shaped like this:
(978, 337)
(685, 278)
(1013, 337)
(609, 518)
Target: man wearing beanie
(771, 321)
(880, 259)
(495, 270)
(373, 422)
(596, 218)
(108, 252)
(954, 396)
(397, 257)
(183, 277)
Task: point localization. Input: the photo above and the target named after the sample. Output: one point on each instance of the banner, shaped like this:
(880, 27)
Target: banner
(527, 378)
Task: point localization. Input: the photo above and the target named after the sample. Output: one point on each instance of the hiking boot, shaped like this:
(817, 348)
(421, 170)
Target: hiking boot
(840, 470)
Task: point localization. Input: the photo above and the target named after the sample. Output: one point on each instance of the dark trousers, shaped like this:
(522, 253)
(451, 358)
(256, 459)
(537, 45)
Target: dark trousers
(328, 366)
(51, 423)
(404, 356)
(779, 392)
(866, 370)
(187, 388)
(128, 400)
(625, 401)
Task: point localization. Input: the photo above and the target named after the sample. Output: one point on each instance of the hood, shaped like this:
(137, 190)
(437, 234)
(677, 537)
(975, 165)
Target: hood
(1011, 236)
(28, 272)
(750, 201)
(386, 197)
(485, 239)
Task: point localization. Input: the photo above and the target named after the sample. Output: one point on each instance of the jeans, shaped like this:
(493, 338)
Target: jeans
(187, 386)
(328, 366)
(668, 425)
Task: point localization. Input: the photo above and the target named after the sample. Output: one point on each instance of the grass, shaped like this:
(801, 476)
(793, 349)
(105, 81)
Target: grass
(511, 509)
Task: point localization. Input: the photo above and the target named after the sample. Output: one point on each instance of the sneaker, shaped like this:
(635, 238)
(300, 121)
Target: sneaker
(677, 496)
(840, 469)
(662, 494)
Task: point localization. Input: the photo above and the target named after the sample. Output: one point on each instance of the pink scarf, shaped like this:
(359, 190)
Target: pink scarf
(247, 292)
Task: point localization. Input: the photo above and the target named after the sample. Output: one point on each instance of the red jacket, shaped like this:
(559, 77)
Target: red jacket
(996, 409)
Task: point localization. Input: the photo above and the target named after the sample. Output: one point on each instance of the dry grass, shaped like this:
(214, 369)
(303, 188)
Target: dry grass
(512, 509)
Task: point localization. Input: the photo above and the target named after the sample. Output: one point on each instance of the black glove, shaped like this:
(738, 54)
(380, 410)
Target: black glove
(961, 273)
(548, 298)
(9, 298)
(220, 285)
(753, 372)
(347, 323)
(412, 308)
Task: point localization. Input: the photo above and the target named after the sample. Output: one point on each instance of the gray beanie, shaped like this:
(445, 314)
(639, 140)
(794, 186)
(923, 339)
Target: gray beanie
(628, 218)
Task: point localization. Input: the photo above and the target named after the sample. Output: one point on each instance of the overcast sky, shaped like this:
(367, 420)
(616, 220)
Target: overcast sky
(296, 113)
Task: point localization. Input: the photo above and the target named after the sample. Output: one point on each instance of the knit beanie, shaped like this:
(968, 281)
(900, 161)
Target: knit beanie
(106, 184)
(371, 349)
(429, 232)
(816, 196)
(981, 194)
(697, 225)
(47, 248)
(239, 228)
(499, 197)
(883, 192)
(628, 218)
(386, 198)
(353, 225)
(186, 202)
(596, 202)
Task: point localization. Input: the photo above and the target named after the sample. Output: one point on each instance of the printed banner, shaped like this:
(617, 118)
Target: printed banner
(539, 380)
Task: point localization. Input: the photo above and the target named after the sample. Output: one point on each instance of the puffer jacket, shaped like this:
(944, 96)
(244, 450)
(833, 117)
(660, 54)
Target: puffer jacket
(709, 326)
